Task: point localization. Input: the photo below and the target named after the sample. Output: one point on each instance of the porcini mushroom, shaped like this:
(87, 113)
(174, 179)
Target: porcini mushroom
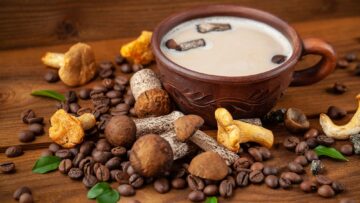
(296, 121)
(186, 126)
(121, 131)
(341, 132)
(76, 67)
(67, 130)
(208, 165)
(231, 133)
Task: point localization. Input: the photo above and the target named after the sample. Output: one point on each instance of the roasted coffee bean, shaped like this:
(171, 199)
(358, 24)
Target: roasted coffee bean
(83, 110)
(136, 67)
(102, 173)
(128, 91)
(301, 148)
(162, 185)
(89, 181)
(77, 159)
(325, 140)
(84, 94)
(75, 173)
(46, 152)
(21, 190)
(87, 160)
(129, 99)
(136, 180)
(270, 170)
(195, 183)
(308, 186)
(36, 128)
(265, 152)
(65, 166)
(113, 94)
(63, 153)
(272, 181)
(347, 200)
(351, 56)
(293, 177)
(311, 133)
(101, 156)
(51, 76)
(106, 69)
(125, 165)
(102, 108)
(74, 107)
(26, 136)
(63, 105)
(312, 143)
(196, 196)
(88, 169)
(26, 198)
(178, 183)
(103, 145)
(119, 60)
(323, 180)
(211, 190)
(255, 153)
(130, 170)
(74, 151)
(295, 167)
(105, 117)
(126, 190)
(113, 163)
(336, 113)
(123, 107)
(113, 173)
(99, 92)
(242, 178)
(26, 115)
(101, 101)
(284, 183)
(301, 160)
(121, 177)
(121, 80)
(278, 59)
(119, 87)
(291, 142)
(96, 166)
(13, 151)
(54, 147)
(108, 83)
(86, 147)
(337, 186)
(39, 120)
(338, 88)
(257, 166)
(70, 96)
(242, 163)
(115, 101)
(311, 155)
(226, 189)
(106, 65)
(126, 68)
(342, 63)
(118, 151)
(347, 149)
(256, 177)
(326, 191)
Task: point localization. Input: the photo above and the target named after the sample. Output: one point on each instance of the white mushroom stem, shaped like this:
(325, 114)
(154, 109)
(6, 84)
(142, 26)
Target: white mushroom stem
(180, 149)
(143, 81)
(341, 132)
(54, 60)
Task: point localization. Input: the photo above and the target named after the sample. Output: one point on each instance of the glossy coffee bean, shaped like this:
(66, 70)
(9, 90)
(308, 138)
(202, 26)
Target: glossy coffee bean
(347, 149)
(13, 151)
(70, 96)
(337, 186)
(102, 173)
(26, 115)
(336, 113)
(308, 186)
(65, 166)
(63, 153)
(291, 142)
(137, 181)
(26, 136)
(84, 94)
(312, 143)
(36, 128)
(126, 190)
(293, 177)
(113, 163)
(103, 145)
(211, 190)
(326, 191)
(226, 189)
(284, 183)
(196, 196)
(325, 140)
(162, 185)
(242, 163)
(195, 183)
(295, 167)
(255, 153)
(272, 181)
(311, 155)
(118, 151)
(86, 147)
(101, 156)
(265, 152)
(7, 167)
(301, 160)
(54, 147)
(258, 166)
(323, 180)
(311, 133)
(21, 190)
(256, 177)
(270, 170)
(301, 148)
(75, 173)
(89, 181)
(179, 183)
(242, 178)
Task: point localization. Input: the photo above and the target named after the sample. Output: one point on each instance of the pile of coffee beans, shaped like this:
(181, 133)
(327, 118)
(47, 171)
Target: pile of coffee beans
(35, 126)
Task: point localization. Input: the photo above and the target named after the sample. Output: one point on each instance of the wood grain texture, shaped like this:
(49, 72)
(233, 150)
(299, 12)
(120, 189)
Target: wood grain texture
(41, 22)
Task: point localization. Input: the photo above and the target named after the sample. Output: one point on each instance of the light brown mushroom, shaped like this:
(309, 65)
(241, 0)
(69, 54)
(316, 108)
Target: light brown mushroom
(186, 126)
(121, 131)
(296, 121)
(76, 67)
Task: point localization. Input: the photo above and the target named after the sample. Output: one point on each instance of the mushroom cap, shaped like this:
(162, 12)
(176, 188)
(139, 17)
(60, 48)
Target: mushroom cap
(153, 102)
(186, 126)
(79, 65)
(208, 165)
(120, 131)
(151, 155)
(296, 121)
(65, 129)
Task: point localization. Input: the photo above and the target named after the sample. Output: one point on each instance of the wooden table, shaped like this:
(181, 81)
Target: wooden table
(21, 72)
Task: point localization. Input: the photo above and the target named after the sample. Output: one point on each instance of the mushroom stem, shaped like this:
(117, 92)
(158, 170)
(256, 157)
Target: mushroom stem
(54, 60)
(180, 149)
(87, 121)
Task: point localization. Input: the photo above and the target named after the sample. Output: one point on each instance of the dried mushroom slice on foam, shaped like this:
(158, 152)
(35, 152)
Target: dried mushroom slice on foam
(210, 27)
(184, 46)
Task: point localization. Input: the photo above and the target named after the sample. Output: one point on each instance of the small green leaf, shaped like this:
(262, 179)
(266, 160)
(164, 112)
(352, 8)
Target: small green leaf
(46, 164)
(211, 200)
(111, 196)
(98, 189)
(48, 93)
(330, 152)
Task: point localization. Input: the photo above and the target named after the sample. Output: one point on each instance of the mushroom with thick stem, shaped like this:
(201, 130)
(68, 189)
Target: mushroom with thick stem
(296, 121)
(342, 132)
(76, 67)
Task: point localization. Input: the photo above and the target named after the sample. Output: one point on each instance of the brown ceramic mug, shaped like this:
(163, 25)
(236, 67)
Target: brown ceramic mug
(244, 96)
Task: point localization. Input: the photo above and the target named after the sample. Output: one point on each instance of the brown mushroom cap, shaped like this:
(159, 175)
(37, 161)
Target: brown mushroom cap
(153, 102)
(79, 65)
(151, 155)
(208, 165)
(121, 131)
(296, 121)
(186, 126)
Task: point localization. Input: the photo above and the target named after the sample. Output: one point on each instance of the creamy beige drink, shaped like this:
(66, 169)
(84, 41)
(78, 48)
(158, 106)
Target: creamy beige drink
(226, 46)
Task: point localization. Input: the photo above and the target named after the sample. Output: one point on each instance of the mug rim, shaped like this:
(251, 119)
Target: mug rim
(226, 10)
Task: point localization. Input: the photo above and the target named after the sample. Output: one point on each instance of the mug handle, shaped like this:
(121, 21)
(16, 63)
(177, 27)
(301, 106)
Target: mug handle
(320, 70)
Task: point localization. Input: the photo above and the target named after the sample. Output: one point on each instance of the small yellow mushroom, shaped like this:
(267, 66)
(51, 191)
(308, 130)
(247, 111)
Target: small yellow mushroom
(139, 51)
(341, 132)
(231, 133)
(67, 130)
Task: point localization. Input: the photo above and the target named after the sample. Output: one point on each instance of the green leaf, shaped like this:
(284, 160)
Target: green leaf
(46, 164)
(48, 93)
(98, 189)
(111, 196)
(211, 200)
(330, 152)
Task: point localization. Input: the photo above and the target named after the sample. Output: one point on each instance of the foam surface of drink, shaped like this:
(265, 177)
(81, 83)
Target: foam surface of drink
(244, 50)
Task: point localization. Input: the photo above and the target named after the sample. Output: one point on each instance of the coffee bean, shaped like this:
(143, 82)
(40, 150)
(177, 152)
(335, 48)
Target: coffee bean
(195, 183)
(89, 181)
(121, 80)
(102, 173)
(255, 153)
(196, 196)
(63, 105)
(278, 59)
(129, 100)
(323, 180)
(338, 88)
(125, 165)
(270, 170)
(46, 152)
(347, 200)
(74, 107)
(113, 94)
(136, 67)
(75, 173)
(76, 161)
(26, 115)
(120, 109)
(337, 186)
(39, 120)
(119, 60)
(88, 169)
(119, 87)
(291, 142)
(258, 166)
(295, 167)
(162, 185)
(101, 156)
(65, 166)
(51, 76)
(70, 96)
(108, 83)
(128, 91)
(54, 147)
(115, 101)
(311, 133)
(104, 101)
(121, 177)
(242, 178)
(126, 190)
(293, 177)
(84, 94)
(336, 113)
(342, 63)
(241, 163)
(211, 190)
(326, 191)
(87, 160)
(106, 69)
(347, 149)
(118, 151)
(13, 151)
(26, 136)
(63, 153)
(312, 143)
(325, 140)
(86, 147)
(272, 181)
(113, 163)
(226, 189)
(179, 183)
(21, 190)
(311, 155)
(36, 128)
(126, 68)
(130, 170)
(74, 151)
(284, 183)
(256, 177)
(301, 148)
(265, 153)
(301, 160)
(308, 186)
(350, 57)
(26, 198)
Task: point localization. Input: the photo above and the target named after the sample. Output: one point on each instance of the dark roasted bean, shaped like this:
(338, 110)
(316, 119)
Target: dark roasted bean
(75, 173)
(115, 101)
(291, 142)
(26, 115)
(323, 180)
(122, 177)
(301, 148)
(89, 181)
(347, 149)
(196, 196)
(108, 83)
(113, 94)
(255, 153)
(278, 59)
(293, 177)
(21, 190)
(70, 96)
(39, 120)
(7, 167)
(257, 166)
(122, 80)
(126, 68)
(295, 167)
(84, 94)
(311, 155)
(272, 181)
(311, 133)
(103, 145)
(54, 147)
(65, 166)
(88, 169)
(63, 105)
(77, 159)
(326, 191)
(337, 186)
(241, 163)
(130, 170)
(311, 142)
(336, 113)
(26, 136)
(338, 88)
(256, 177)
(36, 128)
(118, 151)
(51, 76)
(270, 170)
(265, 153)
(136, 180)
(226, 189)
(284, 183)
(195, 183)
(103, 173)
(119, 60)
(162, 185)
(74, 151)
(63, 153)
(113, 163)
(325, 140)
(308, 186)
(87, 160)
(211, 190)
(101, 156)
(13, 151)
(301, 160)
(86, 147)
(74, 107)
(126, 190)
